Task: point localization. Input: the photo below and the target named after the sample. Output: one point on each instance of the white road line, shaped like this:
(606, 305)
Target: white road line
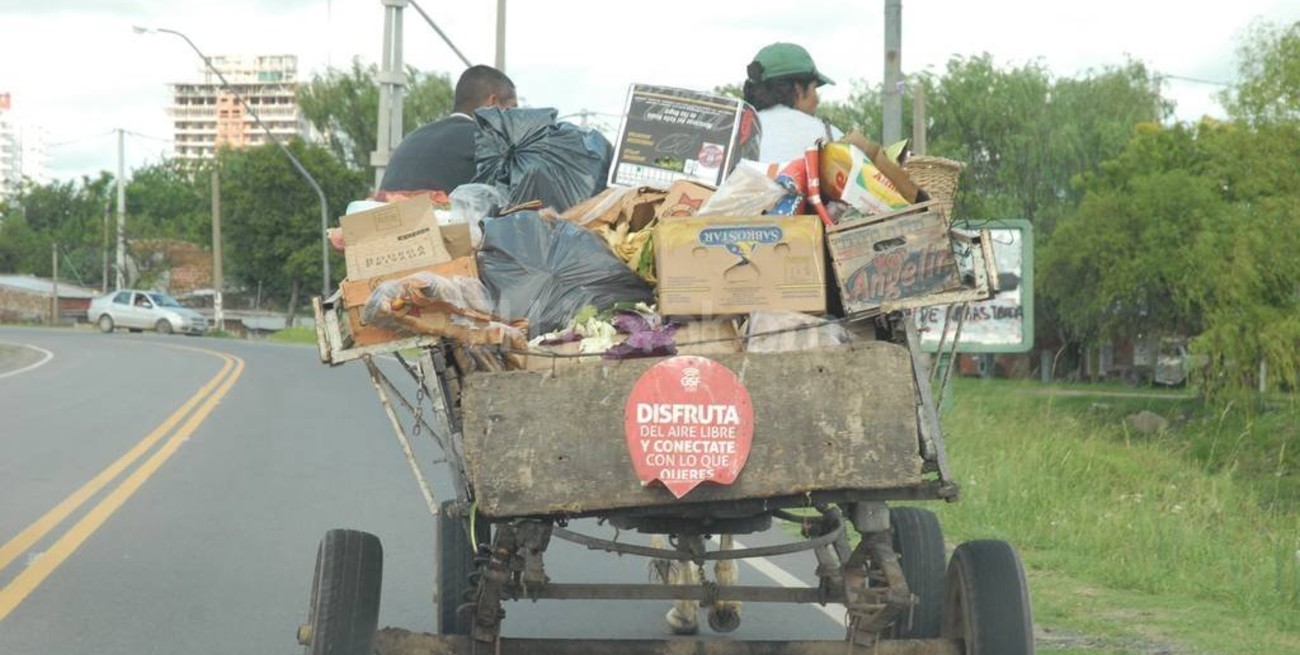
(786, 579)
(48, 356)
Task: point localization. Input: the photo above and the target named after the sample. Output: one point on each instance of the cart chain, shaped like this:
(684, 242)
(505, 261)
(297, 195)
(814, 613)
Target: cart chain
(419, 404)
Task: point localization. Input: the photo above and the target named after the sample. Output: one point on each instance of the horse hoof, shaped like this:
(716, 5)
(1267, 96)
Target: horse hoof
(725, 618)
(681, 625)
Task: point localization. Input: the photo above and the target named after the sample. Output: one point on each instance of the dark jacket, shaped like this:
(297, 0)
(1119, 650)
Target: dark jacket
(438, 156)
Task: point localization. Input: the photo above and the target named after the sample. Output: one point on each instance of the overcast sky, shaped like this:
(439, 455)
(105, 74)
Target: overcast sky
(76, 68)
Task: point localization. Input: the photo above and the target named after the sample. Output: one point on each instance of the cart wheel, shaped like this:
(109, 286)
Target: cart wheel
(344, 595)
(986, 604)
(455, 555)
(918, 540)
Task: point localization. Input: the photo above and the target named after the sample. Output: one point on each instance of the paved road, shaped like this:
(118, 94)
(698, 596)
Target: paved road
(166, 495)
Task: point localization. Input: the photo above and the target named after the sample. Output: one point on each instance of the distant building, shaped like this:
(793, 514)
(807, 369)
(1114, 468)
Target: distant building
(22, 149)
(206, 117)
(11, 153)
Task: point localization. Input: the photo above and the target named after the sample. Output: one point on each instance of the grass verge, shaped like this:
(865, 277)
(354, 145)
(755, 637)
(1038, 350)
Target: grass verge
(296, 334)
(1135, 539)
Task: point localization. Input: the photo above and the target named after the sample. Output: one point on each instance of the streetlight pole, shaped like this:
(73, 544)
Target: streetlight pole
(121, 209)
(324, 205)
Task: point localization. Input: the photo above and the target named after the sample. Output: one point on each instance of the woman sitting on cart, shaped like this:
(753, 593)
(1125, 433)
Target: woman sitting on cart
(781, 83)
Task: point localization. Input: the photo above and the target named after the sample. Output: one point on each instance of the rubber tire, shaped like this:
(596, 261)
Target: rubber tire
(345, 594)
(106, 324)
(455, 563)
(986, 603)
(163, 326)
(918, 540)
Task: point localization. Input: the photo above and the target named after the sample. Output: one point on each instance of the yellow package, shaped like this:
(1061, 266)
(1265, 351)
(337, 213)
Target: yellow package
(848, 175)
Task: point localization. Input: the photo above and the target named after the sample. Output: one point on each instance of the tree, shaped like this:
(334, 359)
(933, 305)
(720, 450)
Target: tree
(344, 106)
(1184, 234)
(171, 199)
(68, 213)
(1269, 73)
(271, 216)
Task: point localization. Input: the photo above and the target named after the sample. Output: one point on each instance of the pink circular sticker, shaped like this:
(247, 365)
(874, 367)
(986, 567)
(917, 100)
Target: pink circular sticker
(687, 420)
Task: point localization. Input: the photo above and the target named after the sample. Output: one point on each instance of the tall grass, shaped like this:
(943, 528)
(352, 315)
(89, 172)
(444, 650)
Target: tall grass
(1066, 483)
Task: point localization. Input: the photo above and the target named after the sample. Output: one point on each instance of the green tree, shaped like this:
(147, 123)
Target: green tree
(1187, 233)
(170, 200)
(344, 106)
(1269, 74)
(271, 217)
(68, 213)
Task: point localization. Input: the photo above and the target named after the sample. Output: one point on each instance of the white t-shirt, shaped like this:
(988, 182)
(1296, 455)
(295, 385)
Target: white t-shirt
(788, 132)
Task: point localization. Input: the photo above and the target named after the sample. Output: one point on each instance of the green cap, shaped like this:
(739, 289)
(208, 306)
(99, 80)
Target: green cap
(782, 59)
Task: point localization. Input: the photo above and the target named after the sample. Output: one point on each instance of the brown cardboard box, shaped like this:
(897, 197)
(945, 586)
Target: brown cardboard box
(392, 238)
(357, 292)
(456, 238)
(908, 254)
(684, 199)
(715, 266)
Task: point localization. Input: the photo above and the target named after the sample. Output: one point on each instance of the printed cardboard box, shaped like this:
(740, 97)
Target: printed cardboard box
(392, 238)
(716, 266)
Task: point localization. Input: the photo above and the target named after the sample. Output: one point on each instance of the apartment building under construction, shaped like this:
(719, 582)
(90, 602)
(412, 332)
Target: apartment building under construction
(206, 117)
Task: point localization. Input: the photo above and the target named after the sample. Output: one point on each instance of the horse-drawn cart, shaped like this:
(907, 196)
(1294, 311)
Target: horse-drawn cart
(692, 449)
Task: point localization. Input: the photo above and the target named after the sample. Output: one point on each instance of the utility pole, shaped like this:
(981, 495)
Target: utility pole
(121, 207)
(501, 36)
(218, 312)
(893, 100)
(392, 85)
(918, 120)
(103, 277)
(54, 301)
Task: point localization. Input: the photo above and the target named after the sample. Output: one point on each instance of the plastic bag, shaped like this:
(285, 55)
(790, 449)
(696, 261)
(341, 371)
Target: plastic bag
(780, 332)
(474, 204)
(546, 270)
(529, 156)
(748, 191)
(463, 294)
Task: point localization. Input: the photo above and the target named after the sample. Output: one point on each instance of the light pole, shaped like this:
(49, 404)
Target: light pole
(324, 205)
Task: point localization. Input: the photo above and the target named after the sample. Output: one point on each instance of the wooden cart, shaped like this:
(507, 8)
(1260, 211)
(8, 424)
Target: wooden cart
(842, 440)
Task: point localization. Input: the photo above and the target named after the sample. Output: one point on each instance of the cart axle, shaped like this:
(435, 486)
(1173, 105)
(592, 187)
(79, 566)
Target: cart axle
(394, 641)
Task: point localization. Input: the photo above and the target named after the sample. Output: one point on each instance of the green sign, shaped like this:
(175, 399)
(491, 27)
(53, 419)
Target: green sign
(1002, 324)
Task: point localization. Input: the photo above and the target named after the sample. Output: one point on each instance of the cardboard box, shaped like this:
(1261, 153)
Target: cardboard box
(392, 238)
(675, 134)
(904, 254)
(716, 266)
(684, 200)
(356, 293)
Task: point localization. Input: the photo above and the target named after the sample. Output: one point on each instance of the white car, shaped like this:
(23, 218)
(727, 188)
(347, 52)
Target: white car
(145, 310)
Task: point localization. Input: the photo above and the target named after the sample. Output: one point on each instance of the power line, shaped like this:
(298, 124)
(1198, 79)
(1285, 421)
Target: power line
(147, 136)
(1195, 80)
(80, 139)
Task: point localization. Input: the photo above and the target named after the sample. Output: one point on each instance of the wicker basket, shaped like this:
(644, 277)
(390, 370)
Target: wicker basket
(938, 176)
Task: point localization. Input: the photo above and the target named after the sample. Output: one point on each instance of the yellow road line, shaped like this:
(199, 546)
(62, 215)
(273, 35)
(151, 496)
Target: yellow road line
(27, 581)
(43, 525)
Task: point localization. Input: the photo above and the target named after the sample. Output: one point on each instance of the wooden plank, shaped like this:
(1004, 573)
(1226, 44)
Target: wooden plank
(537, 443)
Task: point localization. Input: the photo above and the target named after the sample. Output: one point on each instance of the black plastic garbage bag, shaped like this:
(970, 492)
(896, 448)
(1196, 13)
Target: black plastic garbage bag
(546, 270)
(529, 156)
